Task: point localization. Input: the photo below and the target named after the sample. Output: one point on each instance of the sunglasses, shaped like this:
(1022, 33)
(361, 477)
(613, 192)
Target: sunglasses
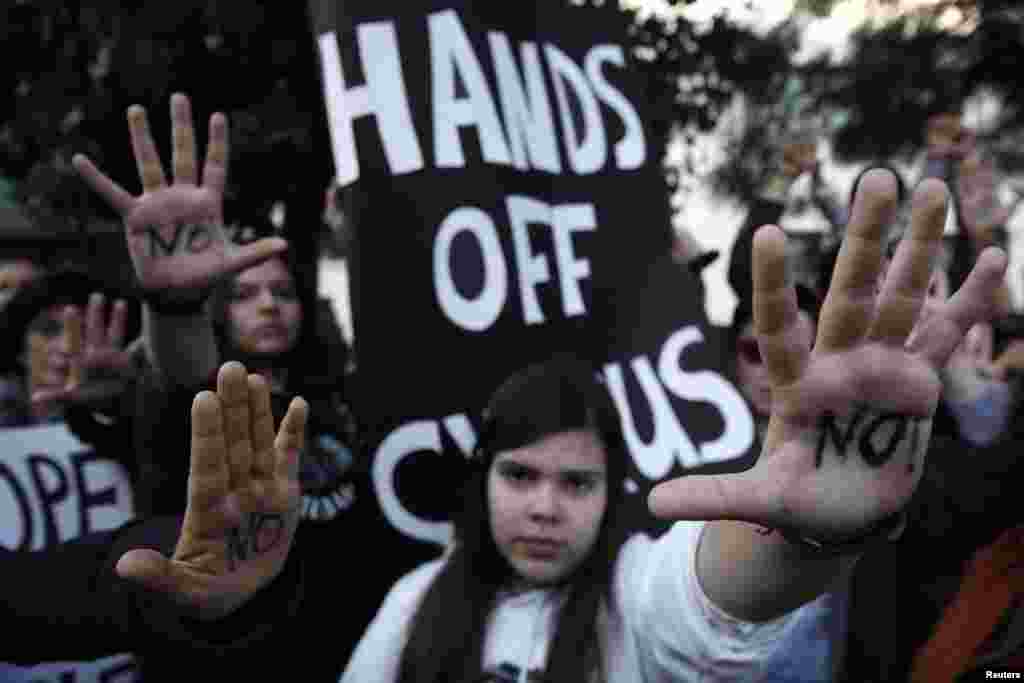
(748, 350)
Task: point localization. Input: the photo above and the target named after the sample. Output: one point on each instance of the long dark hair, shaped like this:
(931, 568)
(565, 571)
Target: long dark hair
(556, 396)
(319, 356)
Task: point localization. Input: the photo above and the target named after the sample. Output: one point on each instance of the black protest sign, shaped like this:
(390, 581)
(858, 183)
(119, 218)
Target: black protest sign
(663, 370)
(54, 488)
(497, 168)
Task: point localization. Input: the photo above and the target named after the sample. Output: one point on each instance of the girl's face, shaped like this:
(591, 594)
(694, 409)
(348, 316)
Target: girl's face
(264, 310)
(547, 500)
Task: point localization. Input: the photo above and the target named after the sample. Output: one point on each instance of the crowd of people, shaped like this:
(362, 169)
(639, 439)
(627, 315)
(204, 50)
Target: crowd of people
(843, 554)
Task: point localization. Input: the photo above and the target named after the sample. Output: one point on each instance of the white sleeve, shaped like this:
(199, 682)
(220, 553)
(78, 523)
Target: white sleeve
(379, 652)
(680, 634)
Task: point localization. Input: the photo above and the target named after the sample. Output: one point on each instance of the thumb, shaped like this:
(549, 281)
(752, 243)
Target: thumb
(149, 568)
(746, 496)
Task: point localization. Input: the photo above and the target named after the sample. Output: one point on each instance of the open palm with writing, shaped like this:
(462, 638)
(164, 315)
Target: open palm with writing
(851, 419)
(243, 500)
(175, 232)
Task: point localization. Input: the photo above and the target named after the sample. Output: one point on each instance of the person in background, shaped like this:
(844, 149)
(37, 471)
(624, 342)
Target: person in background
(734, 589)
(71, 369)
(241, 300)
(233, 579)
(798, 157)
(959, 523)
(68, 352)
(952, 155)
(688, 252)
(984, 214)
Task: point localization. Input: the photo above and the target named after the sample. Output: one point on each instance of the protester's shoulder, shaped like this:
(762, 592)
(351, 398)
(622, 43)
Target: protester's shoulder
(408, 590)
(642, 555)
(639, 546)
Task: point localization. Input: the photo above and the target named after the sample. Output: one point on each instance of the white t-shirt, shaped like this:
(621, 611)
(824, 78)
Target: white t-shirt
(663, 627)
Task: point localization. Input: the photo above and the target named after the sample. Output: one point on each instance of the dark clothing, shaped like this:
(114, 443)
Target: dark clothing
(968, 497)
(67, 603)
(340, 521)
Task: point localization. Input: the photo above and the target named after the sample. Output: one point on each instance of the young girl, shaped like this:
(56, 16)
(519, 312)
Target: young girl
(542, 583)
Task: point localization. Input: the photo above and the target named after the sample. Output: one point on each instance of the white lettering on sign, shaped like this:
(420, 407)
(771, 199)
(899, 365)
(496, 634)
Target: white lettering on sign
(477, 312)
(415, 437)
(654, 458)
(670, 443)
(383, 97)
(114, 669)
(527, 139)
(54, 488)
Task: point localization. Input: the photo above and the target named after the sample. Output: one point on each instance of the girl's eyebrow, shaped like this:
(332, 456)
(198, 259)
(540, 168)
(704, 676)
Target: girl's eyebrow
(594, 473)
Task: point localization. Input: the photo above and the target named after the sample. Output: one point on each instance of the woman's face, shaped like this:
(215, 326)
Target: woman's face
(264, 312)
(751, 371)
(48, 351)
(547, 500)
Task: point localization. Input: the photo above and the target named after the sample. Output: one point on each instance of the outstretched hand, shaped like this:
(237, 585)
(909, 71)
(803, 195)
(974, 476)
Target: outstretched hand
(175, 232)
(851, 418)
(98, 362)
(243, 500)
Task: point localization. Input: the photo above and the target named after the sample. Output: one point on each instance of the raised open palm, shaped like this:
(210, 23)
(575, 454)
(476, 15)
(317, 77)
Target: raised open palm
(175, 232)
(243, 499)
(99, 364)
(851, 419)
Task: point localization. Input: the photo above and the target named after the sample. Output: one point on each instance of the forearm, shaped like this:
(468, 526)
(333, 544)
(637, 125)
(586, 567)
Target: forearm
(181, 348)
(55, 605)
(758, 576)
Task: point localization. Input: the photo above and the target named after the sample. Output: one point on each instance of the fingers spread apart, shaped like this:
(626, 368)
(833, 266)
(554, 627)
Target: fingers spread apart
(73, 344)
(215, 170)
(850, 304)
(907, 278)
(208, 471)
(262, 426)
(183, 155)
(291, 437)
(233, 392)
(976, 301)
(151, 172)
(116, 196)
(776, 316)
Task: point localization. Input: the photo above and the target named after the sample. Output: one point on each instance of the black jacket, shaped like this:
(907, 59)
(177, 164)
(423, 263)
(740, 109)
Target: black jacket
(67, 603)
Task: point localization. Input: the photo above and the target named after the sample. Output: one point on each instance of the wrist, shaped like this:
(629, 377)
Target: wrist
(167, 302)
(884, 531)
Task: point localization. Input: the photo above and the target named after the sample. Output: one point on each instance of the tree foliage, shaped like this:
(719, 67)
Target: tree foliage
(900, 72)
(83, 62)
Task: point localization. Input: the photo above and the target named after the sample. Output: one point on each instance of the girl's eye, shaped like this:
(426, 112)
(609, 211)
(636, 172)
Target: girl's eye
(580, 484)
(284, 292)
(243, 293)
(516, 474)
